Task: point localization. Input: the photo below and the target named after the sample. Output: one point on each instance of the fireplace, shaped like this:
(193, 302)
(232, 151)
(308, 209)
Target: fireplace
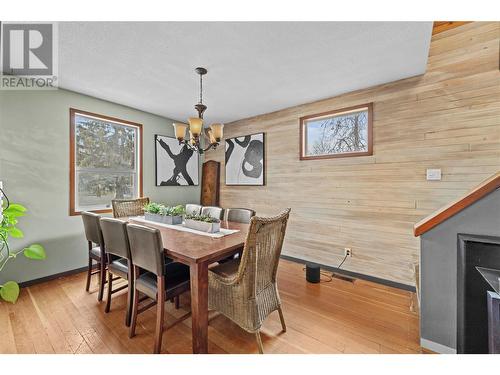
(472, 291)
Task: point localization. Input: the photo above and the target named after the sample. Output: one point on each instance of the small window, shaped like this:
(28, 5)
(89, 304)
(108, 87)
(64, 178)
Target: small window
(106, 161)
(341, 133)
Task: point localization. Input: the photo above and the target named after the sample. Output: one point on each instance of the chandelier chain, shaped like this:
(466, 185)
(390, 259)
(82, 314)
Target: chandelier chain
(201, 89)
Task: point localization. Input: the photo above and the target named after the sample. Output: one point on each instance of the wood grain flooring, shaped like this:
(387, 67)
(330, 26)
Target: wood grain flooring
(58, 316)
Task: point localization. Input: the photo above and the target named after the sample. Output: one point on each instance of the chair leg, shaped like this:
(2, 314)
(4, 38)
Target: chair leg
(259, 342)
(110, 289)
(130, 301)
(282, 319)
(177, 303)
(160, 309)
(89, 275)
(135, 307)
(102, 279)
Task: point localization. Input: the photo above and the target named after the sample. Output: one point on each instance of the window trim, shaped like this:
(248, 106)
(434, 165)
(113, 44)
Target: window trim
(72, 182)
(303, 133)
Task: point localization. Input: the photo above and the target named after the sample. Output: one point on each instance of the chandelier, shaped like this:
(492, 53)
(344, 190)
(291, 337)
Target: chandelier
(213, 135)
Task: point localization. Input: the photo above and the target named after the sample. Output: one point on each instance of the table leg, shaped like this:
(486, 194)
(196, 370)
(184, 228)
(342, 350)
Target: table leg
(199, 307)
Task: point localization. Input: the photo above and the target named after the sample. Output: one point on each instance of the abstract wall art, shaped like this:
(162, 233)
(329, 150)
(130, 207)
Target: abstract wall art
(245, 161)
(176, 165)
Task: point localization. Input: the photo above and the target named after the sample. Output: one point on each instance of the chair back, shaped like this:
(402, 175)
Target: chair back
(92, 227)
(239, 215)
(114, 232)
(193, 209)
(214, 212)
(146, 248)
(129, 207)
(261, 254)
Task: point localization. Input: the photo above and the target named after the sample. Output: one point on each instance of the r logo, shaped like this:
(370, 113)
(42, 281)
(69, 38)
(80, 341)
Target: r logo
(27, 49)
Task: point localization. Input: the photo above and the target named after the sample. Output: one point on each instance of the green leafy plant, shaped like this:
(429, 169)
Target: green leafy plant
(153, 208)
(204, 218)
(160, 209)
(9, 218)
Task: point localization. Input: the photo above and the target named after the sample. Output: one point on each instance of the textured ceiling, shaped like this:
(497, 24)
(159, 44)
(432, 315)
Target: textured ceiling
(253, 67)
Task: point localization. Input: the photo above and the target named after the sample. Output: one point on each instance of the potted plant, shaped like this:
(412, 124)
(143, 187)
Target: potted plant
(163, 214)
(203, 223)
(9, 216)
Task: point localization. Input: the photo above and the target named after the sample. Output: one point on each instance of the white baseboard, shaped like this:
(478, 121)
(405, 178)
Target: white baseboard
(435, 347)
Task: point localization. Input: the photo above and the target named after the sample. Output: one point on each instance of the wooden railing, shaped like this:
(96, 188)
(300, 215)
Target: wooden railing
(455, 207)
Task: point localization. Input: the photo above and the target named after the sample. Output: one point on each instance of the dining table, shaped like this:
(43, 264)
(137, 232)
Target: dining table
(198, 251)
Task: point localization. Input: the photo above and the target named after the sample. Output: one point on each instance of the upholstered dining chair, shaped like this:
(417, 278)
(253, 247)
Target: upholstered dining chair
(162, 280)
(93, 233)
(114, 232)
(245, 290)
(238, 215)
(215, 212)
(129, 207)
(193, 209)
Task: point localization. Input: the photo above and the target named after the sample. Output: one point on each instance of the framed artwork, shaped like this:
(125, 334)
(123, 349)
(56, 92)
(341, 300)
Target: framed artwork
(175, 164)
(245, 161)
(337, 134)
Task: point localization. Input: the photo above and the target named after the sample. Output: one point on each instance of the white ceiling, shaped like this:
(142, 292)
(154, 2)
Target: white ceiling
(253, 67)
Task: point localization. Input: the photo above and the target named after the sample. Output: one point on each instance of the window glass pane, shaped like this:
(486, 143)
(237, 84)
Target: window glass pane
(95, 190)
(103, 144)
(337, 134)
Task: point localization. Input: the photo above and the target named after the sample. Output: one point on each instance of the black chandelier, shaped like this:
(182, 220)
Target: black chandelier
(213, 134)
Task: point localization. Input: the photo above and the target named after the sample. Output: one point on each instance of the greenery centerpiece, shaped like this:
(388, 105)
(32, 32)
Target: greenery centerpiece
(9, 218)
(203, 223)
(164, 214)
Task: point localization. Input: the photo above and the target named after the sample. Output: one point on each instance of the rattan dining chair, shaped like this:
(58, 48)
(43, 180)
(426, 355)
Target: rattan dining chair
(193, 209)
(246, 291)
(162, 280)
(96, 248)
(212, 211)
(129, 207)
(119, 260)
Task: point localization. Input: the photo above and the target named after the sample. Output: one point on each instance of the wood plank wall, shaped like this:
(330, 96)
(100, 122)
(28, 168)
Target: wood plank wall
(449, 118)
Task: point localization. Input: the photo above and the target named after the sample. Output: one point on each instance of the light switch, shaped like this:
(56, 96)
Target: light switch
(433, 174)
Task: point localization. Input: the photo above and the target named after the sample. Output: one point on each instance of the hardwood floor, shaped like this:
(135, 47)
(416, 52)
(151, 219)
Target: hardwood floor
(335, 317)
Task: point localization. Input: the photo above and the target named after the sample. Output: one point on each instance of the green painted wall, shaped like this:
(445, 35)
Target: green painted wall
(34, 166)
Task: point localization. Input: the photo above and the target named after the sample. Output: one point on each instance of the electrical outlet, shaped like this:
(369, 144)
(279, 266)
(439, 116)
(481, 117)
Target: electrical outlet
(347, 252)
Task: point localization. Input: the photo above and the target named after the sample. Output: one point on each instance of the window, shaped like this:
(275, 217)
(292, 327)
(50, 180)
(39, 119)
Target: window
(106, 161)
(340, 133)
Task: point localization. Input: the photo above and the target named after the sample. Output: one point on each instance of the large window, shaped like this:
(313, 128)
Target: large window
(106, 161)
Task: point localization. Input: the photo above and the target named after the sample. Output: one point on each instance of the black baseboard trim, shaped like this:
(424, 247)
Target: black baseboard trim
(24, 284)
(355, 275)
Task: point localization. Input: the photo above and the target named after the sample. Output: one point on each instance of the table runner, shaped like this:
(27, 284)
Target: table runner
(180, 227)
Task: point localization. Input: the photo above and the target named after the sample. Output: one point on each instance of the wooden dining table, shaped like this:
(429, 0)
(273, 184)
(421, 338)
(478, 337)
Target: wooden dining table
(198, 252)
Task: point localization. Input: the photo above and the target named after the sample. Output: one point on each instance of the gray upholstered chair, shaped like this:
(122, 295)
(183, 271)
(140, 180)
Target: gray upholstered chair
(193, 209)
(215, 212)
(96, 249)
(246, 291)
(129, 207)
(119, 260)
(238, 215)
(162, 281)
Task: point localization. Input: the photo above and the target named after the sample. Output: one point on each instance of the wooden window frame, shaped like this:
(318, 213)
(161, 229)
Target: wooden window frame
(72, 183)
(303, 134)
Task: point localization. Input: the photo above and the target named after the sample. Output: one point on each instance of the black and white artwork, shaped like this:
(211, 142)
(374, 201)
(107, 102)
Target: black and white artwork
(245, 160)
(176, 164)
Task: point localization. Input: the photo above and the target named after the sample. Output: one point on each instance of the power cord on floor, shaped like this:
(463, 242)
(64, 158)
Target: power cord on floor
(328, 274)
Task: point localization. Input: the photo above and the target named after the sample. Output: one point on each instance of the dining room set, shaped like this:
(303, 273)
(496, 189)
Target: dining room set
(227, 261)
